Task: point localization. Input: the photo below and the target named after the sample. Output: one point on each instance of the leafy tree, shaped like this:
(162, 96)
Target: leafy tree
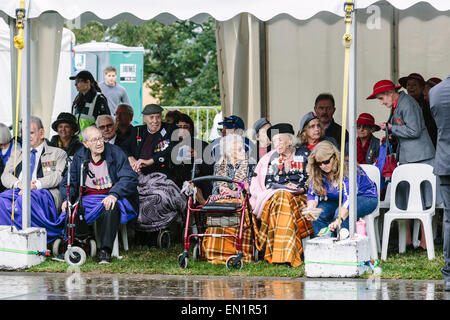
(180, 59)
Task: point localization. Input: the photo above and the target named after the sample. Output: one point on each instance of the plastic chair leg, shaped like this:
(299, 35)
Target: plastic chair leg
(123, 231)
(429, 237)
(415, 240)
(370, 229)
(115, 250)
(385, 242)
(377, 234)
(402, 227)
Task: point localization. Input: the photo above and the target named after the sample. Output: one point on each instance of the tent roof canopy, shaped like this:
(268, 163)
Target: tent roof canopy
(168, 11)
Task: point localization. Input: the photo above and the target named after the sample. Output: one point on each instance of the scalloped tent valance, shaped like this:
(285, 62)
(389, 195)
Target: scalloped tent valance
(170, 10)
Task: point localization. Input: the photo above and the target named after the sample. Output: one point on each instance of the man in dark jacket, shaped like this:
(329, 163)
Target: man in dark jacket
(108, 180)
(150, 145)
(90, 102)
(324, 108)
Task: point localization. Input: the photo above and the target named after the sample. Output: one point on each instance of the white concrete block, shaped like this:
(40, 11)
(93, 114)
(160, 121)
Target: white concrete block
(30, 239)
(328, 258)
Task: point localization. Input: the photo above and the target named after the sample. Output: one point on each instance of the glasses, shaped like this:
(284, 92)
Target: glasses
(320, 163)
(363, 126)
(110, 125)
(97, 140)
(184, 126)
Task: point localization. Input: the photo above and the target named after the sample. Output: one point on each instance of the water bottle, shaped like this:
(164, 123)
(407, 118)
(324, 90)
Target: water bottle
(361, 227)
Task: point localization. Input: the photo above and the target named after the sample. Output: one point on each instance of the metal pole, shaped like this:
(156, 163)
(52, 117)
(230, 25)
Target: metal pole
(25, 104)
(352, 127)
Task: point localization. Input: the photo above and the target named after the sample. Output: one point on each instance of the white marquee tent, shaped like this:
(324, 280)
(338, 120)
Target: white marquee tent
(274, 56)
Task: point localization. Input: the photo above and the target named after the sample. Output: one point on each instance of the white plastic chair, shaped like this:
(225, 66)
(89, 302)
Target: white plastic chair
(414, 174)
(371, 224)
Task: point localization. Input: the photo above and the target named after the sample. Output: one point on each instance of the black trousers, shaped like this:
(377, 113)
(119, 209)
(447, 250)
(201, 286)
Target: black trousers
(109, 222)
(445, 191)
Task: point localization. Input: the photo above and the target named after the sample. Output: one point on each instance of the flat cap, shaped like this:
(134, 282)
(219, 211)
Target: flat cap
(152, 108)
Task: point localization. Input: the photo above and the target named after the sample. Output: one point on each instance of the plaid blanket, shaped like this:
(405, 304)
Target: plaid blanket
(217, 250)
(282, 228)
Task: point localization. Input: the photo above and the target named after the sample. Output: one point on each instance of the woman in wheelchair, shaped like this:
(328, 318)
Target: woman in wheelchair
(278, 193)
(235, 165)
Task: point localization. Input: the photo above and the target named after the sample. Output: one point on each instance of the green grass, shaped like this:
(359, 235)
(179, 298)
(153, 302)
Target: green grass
(143, 260)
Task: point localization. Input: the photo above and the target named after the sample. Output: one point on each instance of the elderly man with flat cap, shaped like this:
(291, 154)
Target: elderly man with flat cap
(47, 164)
(149, 149)
(90, 102)
(149, 146)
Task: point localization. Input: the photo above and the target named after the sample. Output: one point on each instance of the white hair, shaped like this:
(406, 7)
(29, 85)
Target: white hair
(227, 143)
(104, 116)
(85, 131)
(5, 134)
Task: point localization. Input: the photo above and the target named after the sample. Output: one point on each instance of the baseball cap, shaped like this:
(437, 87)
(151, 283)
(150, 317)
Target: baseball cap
(233, 122)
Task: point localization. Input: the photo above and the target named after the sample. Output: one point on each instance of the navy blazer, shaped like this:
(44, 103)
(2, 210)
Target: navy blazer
(124, 179)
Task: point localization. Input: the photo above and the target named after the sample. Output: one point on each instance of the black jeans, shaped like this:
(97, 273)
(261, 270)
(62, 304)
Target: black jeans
(109, 222)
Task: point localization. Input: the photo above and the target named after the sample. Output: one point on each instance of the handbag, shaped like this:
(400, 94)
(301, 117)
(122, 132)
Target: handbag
(390, 162)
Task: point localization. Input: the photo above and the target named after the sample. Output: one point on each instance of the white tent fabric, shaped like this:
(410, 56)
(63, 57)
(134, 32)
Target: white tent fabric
(62, 96)
(220, 10)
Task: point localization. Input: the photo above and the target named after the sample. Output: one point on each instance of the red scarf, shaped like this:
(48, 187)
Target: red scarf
(311, 146)
(362, 151)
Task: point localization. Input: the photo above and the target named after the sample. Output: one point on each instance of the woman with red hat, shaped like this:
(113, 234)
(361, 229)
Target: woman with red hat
(407, 126)
(368, 146)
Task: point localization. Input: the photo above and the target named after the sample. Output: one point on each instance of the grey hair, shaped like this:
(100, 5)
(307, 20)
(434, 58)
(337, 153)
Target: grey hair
(104, 116)
(127, 106)
(5, 134)
(227, 142)
(294, 140)
(85, 131)
(38, 122)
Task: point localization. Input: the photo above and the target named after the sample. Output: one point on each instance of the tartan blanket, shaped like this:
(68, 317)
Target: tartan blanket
(217, 250)
(282, 228)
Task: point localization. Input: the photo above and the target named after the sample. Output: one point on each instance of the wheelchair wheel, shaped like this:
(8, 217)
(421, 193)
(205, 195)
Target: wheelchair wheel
(92, 248)
(75, 256)
(196, 252)
(183, 261)
(163, 240)
(56, 247)
(234, 262)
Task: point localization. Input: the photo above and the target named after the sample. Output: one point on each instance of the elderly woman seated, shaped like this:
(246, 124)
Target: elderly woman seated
(278, 194)
(234, 163)
(323, 170)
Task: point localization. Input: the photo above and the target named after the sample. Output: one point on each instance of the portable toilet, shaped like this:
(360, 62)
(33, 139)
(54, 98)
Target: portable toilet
(128, 61)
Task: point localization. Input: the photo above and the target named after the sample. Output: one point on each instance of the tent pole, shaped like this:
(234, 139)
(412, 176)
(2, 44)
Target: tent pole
(352, 126)
(26, 174)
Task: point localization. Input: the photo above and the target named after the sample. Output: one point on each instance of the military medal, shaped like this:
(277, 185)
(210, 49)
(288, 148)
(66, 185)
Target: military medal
(280, 165)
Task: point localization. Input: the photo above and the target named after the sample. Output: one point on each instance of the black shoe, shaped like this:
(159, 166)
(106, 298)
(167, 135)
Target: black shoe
(104, 257)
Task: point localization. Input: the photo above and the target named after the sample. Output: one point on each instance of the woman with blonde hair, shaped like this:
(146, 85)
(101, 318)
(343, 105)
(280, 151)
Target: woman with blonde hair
(323, 179)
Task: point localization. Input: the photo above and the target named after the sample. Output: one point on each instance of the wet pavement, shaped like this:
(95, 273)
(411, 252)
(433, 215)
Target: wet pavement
(85, 286)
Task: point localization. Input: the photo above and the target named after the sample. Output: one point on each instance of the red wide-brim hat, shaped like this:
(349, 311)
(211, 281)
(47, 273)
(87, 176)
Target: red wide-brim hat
(382, 86)
(368, 120)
